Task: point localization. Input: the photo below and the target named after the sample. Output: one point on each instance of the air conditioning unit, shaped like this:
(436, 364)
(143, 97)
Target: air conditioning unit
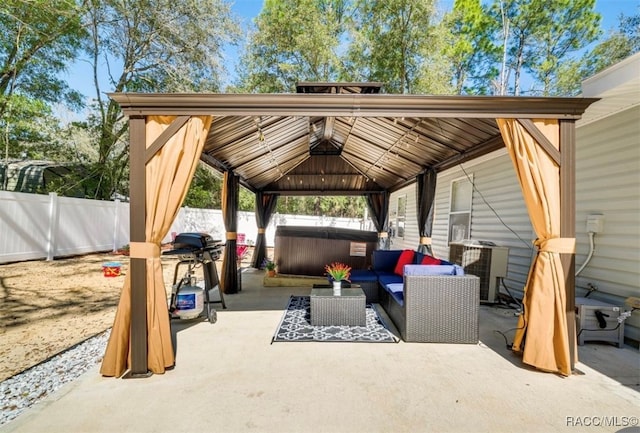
(483, 259)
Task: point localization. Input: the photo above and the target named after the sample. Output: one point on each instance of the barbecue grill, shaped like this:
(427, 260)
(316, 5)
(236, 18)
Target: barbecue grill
(195, 250)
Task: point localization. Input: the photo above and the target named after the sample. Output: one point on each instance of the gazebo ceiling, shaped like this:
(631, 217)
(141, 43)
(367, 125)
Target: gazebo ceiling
(340, 155)
(345, 138)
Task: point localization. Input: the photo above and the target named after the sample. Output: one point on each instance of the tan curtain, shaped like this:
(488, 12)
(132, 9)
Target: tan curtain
(542, 329)
(168, 176)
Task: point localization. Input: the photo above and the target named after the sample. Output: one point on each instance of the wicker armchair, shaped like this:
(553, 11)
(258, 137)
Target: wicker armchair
(436, 309)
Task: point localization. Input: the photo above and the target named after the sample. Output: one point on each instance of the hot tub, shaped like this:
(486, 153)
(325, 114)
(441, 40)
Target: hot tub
(301, 250)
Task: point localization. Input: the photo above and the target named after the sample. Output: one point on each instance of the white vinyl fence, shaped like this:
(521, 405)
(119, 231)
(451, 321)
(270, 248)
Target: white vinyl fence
(34, 226)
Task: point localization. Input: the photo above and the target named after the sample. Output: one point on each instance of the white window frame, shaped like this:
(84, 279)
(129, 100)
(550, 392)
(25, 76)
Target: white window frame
(401, 216)
(398, 216)
(459, 225)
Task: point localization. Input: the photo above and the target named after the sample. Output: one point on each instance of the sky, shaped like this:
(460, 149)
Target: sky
(79, 76)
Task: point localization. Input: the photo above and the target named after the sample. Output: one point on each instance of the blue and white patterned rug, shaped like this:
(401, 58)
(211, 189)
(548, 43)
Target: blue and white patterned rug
(296, 326)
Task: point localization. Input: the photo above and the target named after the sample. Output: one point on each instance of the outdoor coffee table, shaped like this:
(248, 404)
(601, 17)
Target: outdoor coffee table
(348, 308)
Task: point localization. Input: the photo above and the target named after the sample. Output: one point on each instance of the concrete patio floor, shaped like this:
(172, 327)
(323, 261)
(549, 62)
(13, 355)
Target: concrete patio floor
(230, 378)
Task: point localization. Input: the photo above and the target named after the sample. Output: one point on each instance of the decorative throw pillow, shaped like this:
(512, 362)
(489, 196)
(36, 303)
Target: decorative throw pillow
(429, 260)
(406, 258)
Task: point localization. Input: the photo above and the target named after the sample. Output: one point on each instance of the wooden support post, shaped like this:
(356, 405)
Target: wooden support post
(138, 266)
(568, 225)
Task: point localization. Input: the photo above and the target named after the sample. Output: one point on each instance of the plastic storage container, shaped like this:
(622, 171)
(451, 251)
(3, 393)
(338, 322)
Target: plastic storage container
(111, 269)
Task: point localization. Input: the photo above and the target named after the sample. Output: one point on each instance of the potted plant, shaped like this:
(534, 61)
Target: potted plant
(270, 266)
(124, 250)
(337, 272)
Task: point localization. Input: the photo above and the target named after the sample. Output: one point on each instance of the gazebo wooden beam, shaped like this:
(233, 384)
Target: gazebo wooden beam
(350, 105)
(568, 224)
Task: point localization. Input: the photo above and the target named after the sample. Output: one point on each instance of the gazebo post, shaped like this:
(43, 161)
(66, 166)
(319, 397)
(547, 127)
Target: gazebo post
(138, 266)
(568, 226)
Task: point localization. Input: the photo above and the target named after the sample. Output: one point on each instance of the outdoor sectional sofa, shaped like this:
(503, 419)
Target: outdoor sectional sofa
(429, 303)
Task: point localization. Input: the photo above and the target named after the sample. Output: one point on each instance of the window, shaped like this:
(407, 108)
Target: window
(460, 210)
(397, 218)
(402, 212)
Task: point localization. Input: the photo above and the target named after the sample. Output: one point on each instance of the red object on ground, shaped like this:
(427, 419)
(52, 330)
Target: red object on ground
(111, 269)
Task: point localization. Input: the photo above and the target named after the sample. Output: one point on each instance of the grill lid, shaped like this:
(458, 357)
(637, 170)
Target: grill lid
(194, 241)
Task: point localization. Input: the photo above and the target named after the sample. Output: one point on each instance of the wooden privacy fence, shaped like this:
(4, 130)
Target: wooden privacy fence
(35, 226)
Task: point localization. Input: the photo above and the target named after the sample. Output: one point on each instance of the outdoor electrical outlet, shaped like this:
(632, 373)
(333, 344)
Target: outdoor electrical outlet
(595, 223)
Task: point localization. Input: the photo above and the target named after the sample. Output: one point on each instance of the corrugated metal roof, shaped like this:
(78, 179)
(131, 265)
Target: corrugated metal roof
(33, 175)
(344, 138)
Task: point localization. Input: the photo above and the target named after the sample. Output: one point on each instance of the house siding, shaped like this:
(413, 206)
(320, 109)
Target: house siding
(608, 183)
(496, 213)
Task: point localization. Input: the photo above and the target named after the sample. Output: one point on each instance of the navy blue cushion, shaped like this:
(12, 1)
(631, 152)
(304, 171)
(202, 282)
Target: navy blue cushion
(389, 278)
(396, 290)
(398, 297)
(363, 275)
(385, 260)
(394, 287)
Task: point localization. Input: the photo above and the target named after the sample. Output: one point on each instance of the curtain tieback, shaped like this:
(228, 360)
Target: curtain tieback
(262, 231)
(232, 236)
(556, 245)
(424, 240)
(144, 250)
(383, 234)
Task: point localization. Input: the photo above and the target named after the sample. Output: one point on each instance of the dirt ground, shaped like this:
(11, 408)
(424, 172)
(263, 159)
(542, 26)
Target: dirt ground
(49, 306)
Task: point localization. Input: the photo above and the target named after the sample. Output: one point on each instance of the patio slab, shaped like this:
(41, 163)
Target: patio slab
(230, 378)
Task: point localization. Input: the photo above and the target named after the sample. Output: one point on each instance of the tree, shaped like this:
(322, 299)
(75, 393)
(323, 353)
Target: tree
(28, 128)
(149, 46)
(571, 25)
(390, 43)
(294, 40)
(205, 190)
(535, 38)
(619, 44)
(470, 49)
(37, 40)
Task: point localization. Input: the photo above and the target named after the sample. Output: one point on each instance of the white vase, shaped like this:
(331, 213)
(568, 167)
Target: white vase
(337, 285)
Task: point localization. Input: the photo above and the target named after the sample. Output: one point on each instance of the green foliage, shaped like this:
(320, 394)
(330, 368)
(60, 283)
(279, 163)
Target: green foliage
(338, 206)
(37, 40)
(295, 40)
(617, 46)
(534, 38)
(391, 40)
(480, 47)
(268, 264)
(470, 49)
(553, 42)
(149, 46)
(162, 46)
(246, 200)
(26, 125)
(205, 190)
